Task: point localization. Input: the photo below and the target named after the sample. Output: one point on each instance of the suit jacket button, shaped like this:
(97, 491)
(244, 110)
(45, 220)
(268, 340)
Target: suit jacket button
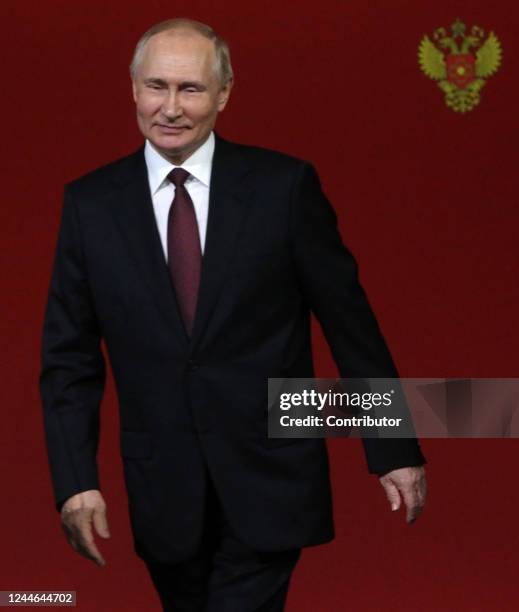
(192, 364)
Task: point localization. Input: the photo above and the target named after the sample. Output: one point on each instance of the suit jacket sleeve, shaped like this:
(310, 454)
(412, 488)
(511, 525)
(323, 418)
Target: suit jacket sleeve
(73, 368)
(329, 281)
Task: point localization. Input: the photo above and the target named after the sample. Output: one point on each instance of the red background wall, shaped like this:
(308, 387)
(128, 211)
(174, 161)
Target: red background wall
(426, 200)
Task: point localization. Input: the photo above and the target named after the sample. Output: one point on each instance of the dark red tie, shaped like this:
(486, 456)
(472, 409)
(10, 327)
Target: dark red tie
(184, 252)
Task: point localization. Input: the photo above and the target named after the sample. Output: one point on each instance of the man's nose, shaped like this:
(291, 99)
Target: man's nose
(171, 107)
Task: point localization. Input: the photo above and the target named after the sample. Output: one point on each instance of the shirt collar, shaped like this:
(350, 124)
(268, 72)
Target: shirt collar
(198, 164)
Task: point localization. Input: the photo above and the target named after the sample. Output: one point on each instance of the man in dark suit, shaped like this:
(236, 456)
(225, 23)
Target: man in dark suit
(198, 261)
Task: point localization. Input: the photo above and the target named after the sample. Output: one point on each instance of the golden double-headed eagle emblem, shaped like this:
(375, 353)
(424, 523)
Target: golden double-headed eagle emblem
(460, 63)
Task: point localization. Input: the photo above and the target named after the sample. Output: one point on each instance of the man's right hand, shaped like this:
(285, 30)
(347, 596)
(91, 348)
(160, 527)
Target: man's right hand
(77, 515)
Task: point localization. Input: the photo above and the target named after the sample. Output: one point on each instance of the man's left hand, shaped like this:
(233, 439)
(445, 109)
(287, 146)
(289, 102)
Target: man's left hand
(408, 484)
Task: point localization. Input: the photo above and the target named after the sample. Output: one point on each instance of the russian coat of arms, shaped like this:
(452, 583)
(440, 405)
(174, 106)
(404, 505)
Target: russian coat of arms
(460, 63)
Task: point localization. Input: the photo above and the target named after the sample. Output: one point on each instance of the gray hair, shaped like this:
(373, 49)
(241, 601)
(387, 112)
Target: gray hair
(222, 66)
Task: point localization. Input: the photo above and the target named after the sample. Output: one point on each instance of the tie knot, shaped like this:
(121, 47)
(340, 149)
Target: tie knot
(178, 176)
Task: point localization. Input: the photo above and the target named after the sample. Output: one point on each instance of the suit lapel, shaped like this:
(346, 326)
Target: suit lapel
(228, 204)
(228, 198)
(136, 219)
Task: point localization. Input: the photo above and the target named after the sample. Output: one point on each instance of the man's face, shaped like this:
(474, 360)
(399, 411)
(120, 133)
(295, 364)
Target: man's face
(177, 93)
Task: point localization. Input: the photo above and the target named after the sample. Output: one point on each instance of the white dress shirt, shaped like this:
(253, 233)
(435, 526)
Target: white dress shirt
(163, 191)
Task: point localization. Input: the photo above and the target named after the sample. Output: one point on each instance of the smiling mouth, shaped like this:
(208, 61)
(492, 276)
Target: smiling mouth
(172, 127)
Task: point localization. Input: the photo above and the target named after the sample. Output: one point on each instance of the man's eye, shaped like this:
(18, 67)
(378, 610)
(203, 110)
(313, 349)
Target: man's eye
(154, 86)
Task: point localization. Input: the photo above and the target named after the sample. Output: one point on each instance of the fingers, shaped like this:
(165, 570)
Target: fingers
(77, 525)
(411, 485)
(101, 523)
(392, 494)
(420, 494)
(77, 515)
(414, 493)
(412, 504)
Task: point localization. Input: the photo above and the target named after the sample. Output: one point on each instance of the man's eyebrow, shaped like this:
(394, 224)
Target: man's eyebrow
(196, 84)
(154, 80)
(183, 85)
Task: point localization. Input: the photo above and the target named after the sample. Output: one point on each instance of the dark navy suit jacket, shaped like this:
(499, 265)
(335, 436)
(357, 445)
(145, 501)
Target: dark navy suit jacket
(272, 256)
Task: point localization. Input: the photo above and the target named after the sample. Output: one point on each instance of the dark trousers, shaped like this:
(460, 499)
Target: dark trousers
(226, 575)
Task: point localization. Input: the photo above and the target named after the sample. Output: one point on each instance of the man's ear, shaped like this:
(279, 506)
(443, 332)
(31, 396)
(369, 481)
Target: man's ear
(224, 94)
(134, 90)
